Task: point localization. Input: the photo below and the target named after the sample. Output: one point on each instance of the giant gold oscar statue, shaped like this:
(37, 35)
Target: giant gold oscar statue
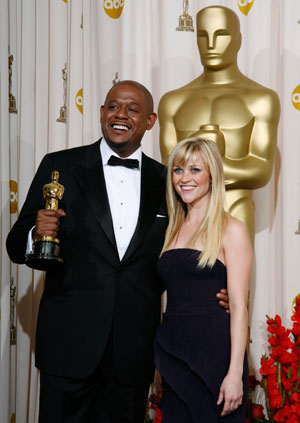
(224, 100)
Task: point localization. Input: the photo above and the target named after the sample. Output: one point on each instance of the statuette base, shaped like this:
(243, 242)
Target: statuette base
(13, 335)
(12, 104)
(45, 256)
(62, 115)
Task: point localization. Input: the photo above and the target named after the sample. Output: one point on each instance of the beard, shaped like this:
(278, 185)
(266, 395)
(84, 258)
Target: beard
(116, 146)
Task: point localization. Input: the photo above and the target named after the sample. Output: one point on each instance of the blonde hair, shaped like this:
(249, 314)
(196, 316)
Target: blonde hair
(211, 229)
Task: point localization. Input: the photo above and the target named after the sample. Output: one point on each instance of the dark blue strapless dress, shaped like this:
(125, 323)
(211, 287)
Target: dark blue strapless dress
(192, 346)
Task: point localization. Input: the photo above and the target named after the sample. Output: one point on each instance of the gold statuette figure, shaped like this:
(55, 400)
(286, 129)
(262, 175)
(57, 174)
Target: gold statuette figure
(13, 329)
(63, 110)
(11, 98)
(46, 249)
(116, 79)
(185, 20)
(246, 112)
(53, 192)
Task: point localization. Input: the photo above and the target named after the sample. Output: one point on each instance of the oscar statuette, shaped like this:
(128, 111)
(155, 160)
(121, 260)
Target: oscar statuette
(11, 98)
(63, 110)
(45, 254)
(185, 20)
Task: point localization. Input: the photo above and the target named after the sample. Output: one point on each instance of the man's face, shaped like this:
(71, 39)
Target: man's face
(125, 117)
(218, 38)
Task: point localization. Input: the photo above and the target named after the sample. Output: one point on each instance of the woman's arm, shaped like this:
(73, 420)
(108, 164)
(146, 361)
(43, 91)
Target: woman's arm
(238, 258)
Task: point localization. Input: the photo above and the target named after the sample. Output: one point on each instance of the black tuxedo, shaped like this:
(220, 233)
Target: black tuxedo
(95, 291)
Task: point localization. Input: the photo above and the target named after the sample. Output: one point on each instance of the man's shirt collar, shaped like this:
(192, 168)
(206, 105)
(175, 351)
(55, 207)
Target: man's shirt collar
(106, 152)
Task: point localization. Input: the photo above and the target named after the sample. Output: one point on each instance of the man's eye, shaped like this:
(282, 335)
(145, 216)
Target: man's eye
(133, 110)
(112, 107)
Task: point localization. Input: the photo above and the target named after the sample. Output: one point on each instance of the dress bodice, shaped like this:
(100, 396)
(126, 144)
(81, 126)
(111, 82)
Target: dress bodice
(188, 286)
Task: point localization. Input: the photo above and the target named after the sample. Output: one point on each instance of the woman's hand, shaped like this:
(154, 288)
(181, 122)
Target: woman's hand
(231, 391)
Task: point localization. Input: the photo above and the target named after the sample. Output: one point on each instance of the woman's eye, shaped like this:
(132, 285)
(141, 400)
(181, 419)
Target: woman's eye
(195, 170)
(177, 170)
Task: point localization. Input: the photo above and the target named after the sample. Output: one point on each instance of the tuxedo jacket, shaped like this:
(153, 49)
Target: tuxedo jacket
(94, 290)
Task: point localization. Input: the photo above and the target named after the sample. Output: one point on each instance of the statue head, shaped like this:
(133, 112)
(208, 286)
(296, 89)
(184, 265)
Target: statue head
(218, 37)
(55, 176)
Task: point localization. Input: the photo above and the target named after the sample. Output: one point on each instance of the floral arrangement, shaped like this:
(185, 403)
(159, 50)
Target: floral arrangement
(280, 372)
(153, 413)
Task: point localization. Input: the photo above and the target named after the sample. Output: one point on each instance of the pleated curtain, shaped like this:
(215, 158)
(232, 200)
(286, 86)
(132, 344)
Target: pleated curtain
(58, 60)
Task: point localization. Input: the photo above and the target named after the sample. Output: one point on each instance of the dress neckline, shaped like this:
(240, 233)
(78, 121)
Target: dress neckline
(192, 249)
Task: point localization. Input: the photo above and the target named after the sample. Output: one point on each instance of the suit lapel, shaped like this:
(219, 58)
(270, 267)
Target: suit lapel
(90, 179)
(152, 193)
(92, 184)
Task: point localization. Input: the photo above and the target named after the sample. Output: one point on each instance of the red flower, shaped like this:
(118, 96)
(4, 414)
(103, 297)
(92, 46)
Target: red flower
(293, 419)
(257, 411)
(296, 409)
(267, 366)
(272, 384)
(274, 341)
(282, 414)
(295, 397)
(278, 320)
(252, 382)
(275, 402)
(158, 416)
(284, 356)
(287, 384)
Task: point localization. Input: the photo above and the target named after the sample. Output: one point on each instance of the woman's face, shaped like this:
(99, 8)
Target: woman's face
(192, 180)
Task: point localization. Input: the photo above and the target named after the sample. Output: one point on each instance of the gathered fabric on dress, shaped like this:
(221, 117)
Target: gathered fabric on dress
(192, 345)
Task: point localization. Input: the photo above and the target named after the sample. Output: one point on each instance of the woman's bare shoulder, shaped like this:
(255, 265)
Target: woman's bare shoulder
(235, 232)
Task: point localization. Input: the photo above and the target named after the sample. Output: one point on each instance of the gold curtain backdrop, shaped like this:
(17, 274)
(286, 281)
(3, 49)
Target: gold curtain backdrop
(58, 60)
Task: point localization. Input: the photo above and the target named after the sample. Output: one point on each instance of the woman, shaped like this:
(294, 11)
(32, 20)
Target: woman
(200, 350)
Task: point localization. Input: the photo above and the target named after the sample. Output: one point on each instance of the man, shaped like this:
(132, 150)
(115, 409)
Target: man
(246, 112)
(99, 313)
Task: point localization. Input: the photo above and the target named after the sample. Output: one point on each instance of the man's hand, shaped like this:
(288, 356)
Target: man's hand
(47, 223)
(224, 299)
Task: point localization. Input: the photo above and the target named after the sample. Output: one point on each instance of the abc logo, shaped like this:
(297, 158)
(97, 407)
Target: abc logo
(13, 197)
(79, 100)
(245, 6)
(296, 98)
(294, 303)
(113, 8)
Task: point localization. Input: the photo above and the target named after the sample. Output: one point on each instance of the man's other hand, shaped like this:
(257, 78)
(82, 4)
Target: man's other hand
(223, 298)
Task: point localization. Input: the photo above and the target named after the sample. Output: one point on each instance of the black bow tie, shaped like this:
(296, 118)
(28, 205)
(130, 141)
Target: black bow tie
(130, 163)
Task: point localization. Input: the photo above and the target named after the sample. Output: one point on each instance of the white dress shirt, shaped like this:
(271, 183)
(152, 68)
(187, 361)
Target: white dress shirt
(123, 186)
